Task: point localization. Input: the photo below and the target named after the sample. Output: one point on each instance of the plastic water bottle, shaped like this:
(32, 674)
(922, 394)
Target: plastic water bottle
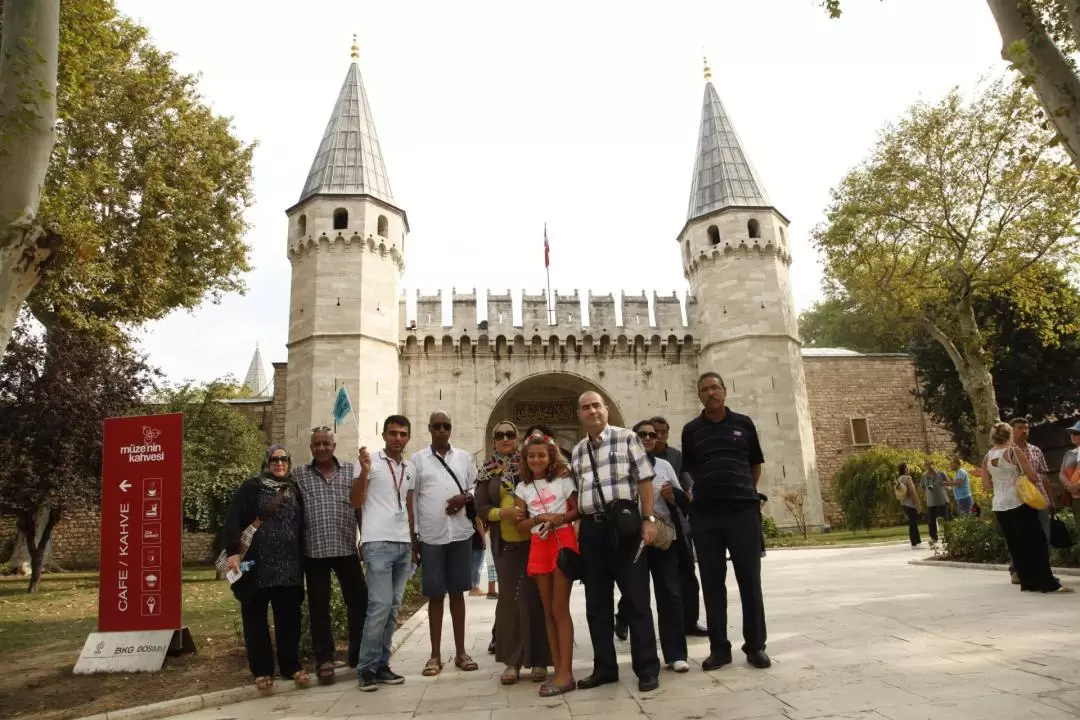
(247, 566)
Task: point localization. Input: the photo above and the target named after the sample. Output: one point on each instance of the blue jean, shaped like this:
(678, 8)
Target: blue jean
(477, 562)
(963, 505)
(387, 572)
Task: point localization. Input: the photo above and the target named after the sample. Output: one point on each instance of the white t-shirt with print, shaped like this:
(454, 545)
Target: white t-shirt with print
(546, 496)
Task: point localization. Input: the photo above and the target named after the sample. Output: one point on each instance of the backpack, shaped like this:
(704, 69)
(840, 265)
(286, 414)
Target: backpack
(900, 488)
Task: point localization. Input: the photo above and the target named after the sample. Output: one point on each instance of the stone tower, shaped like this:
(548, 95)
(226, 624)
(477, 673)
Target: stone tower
(347, 249)
(736, 257)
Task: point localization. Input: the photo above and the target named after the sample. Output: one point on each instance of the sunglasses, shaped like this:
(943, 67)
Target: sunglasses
(439, 426)
(508, 435)
(646, 435)
(280, 459)
(322, 428)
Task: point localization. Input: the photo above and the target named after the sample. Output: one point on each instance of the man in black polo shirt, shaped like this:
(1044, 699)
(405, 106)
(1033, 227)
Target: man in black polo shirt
(722, 455)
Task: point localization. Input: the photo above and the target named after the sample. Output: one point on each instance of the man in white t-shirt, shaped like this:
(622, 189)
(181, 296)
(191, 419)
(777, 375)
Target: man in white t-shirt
(382, 490)
(443, 481)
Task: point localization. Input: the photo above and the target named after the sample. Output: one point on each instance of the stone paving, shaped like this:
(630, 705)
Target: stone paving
(853, 633)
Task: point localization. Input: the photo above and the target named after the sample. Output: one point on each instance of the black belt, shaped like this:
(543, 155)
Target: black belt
(596, 517)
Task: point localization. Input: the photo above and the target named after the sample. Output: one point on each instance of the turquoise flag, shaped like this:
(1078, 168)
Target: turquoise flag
(342, 406)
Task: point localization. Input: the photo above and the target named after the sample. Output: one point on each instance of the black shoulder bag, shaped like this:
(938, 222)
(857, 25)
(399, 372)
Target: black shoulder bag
(625, 514)
(470, 506)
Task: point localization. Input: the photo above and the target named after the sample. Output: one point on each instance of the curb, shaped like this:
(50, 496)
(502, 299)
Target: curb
(981, 566)
(229, 696)
(837, 546)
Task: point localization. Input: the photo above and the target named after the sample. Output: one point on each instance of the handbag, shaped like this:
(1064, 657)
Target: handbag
(1029, 494)
(568, 561)
(665, 534)
(625, 514)
(470, 506)
(1060, 537)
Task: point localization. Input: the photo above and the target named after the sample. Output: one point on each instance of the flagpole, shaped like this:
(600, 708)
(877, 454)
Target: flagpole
(547, 270)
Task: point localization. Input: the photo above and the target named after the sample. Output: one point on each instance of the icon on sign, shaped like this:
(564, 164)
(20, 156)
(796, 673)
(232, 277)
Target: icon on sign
(151, 605)
(150, 581)
(150, 435)
(151, 557)
(151, 509)
(152, 487)
(151, 533)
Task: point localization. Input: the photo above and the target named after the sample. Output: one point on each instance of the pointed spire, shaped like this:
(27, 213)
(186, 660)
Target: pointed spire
(349, 160)
(255, 381)
(723, 174)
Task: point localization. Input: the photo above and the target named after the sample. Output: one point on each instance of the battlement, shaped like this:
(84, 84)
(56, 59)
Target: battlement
(336, 239)
(634, 320)
(737, 249)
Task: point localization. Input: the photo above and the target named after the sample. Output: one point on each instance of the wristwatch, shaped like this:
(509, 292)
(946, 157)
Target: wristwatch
(650, 518)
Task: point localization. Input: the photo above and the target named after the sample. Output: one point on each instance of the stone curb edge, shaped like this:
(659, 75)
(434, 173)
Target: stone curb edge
(247, 692)
(837, 546)
(983, 566)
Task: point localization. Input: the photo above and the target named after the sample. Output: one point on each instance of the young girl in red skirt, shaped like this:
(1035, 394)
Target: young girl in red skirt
(549, 496)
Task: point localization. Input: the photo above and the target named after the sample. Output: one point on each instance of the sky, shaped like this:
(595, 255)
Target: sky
(496, 117)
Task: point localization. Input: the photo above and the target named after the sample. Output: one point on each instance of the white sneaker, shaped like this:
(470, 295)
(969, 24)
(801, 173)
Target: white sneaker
(680, 666)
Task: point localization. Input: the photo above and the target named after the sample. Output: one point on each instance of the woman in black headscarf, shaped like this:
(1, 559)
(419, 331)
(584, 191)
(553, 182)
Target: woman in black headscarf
(272, 566)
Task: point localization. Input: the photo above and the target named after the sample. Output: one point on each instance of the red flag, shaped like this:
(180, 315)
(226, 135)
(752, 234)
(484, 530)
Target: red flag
(547, 249)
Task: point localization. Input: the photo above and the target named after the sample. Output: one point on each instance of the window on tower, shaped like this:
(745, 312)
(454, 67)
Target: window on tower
(383, 228)
(301, 225)
(714, 235)
(754, 227)
(341, 219)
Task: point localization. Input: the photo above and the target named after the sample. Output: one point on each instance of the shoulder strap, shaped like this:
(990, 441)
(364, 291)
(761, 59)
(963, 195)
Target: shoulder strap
(595, 473)
(271, 508)
(452, 475)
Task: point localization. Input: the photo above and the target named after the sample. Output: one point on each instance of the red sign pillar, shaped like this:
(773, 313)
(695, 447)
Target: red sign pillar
(141, 495)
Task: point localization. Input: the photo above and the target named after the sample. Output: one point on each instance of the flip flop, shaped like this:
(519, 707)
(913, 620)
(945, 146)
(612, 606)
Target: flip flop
(551, 690)
(465, 663)
(432, 667)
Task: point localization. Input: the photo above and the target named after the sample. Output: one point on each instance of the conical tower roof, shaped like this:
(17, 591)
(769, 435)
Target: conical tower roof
(255, 380)
(349, 160)
(723, 174)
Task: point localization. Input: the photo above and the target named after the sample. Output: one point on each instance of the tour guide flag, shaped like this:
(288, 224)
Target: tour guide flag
(342, 406)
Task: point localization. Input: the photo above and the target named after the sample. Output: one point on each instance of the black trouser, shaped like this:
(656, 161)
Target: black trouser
(933, 512)
(669, 583)
(286, 602)
(1027, 545)
(912, 525)
(605, 566)
(353, 590)
(734, 527)
(684, 550)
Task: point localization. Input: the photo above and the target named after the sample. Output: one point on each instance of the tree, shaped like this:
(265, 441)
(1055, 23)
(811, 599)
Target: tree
(222, 448)
(28, 65)
(839, 322)
(56, 389)
(1038, 38)
(957, 201)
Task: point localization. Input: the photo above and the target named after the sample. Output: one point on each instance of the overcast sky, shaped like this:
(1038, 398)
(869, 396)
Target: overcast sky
(495, 117)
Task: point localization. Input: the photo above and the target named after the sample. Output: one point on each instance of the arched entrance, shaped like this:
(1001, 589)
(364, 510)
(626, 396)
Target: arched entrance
(549, 398)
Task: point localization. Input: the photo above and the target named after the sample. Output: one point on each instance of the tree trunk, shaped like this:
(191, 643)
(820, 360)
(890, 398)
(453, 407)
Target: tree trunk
(1028, 46)
(37, 542)
(28, 58)
(968, 355)
(19, 562)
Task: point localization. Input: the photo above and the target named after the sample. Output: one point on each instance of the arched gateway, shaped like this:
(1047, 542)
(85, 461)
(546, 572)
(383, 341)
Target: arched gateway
(549, 398)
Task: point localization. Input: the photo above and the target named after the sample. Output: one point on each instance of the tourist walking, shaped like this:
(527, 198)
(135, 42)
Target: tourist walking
(723, 456)
(933, 483)
(904, 489)
(1019, 522)
(520, 632)
(551, 502)
(1020, 430)
(444, 480)
(382, 492)
(615, 502)
(961, 484)
(274, 561)
(330, 534)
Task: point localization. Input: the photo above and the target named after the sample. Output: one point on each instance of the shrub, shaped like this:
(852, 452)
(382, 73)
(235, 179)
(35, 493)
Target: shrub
(768, 527)
(975, 539)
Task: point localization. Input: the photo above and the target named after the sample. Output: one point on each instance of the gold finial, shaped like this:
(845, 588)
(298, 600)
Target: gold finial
(708, 70)
(355, 49)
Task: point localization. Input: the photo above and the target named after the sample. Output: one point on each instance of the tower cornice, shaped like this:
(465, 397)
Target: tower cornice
(343, 196)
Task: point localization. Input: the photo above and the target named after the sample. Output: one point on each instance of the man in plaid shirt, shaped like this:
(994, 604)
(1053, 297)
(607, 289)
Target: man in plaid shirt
(623, 472)
(330, 534)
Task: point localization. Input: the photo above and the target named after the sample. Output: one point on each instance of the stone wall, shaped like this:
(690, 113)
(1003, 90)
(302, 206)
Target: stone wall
(883, 390)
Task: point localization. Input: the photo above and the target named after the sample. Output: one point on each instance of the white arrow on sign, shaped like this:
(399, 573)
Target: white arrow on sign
(124, 485)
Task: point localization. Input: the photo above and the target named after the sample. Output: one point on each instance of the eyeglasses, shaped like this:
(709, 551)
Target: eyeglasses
(649, 435)
(280, 459)
(508, 435)
(439, 426)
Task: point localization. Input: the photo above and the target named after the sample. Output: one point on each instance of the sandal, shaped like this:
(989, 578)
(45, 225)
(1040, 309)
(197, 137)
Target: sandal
(264, 683)
(510, 676)
(538, 674)
(466, 663)
(301, 678)
(1062, 589)
(432, 667)
(326, 673)
(551, 690)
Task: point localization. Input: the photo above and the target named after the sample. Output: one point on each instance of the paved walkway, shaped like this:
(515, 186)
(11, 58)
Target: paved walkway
(853, 633)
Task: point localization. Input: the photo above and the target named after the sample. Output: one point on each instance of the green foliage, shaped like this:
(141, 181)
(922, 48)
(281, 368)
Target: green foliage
(975, 539)
(147, 186)
(222, 448)
(839, 322)
(768, 527)
(863, 486)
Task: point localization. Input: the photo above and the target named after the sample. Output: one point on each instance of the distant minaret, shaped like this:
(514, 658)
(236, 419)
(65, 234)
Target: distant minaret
(255, 380)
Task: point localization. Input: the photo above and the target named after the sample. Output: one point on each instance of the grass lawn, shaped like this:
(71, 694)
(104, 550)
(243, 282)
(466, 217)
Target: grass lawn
(842, 537)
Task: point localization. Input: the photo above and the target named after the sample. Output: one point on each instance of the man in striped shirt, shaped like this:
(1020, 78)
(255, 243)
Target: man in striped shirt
(609, 465)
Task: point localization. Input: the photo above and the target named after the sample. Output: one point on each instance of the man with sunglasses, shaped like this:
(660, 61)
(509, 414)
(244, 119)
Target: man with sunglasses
(330, 533)
(444, 479)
